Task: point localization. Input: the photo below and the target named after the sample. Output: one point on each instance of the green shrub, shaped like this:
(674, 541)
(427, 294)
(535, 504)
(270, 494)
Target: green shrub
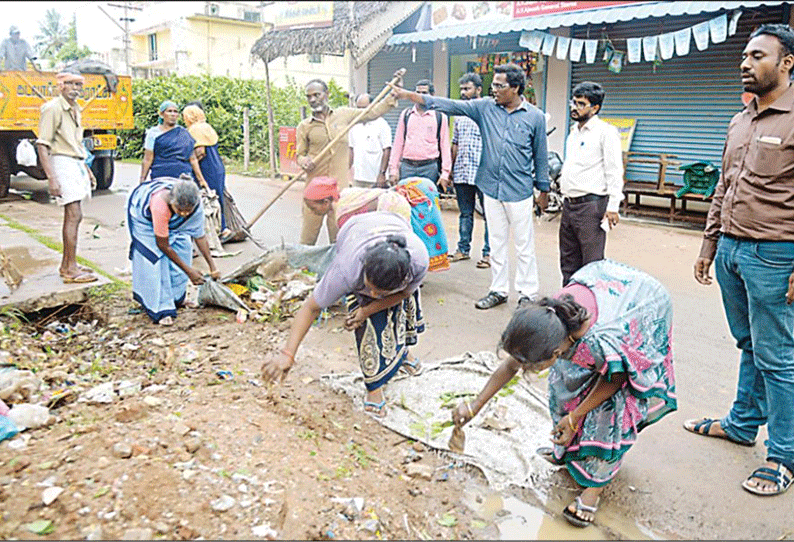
(223, 99)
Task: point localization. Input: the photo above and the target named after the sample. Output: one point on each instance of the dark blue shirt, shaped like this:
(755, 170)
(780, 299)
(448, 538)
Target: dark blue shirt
(514, 154)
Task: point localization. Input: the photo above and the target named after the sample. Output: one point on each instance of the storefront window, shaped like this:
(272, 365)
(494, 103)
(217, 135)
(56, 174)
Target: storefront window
(483, 64)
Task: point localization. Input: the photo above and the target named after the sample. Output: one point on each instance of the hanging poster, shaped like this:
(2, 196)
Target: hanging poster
(548, 44)
(649, 44)
(718, 28)
(734, 22)
(666, 45)
(576, 49)
(701, 33)
(452, 13)
(682, 39)
(562, 47)
(532, 40)
(616, 62)
(634, 47)
(590, 49)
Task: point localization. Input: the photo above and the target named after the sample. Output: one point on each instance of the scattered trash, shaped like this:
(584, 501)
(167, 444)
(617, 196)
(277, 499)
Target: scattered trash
(28, 416)
(41, 527)
(265, 531)
(49, 495)
(223, 504)
(218, 294)
(242, 316)
(102, 393)
(17, 386)
(224, 375)
(7, 428)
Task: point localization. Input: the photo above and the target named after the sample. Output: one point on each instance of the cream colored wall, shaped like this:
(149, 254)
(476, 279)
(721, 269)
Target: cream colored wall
(299, 69)
(558, 83)
(219, 48)
(440, 69)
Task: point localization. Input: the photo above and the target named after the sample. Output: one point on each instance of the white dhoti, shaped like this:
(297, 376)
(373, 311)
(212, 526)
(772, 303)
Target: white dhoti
(73, 176)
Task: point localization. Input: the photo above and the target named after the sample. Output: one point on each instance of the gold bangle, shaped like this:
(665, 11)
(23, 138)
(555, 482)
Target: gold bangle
(570, 423)
(468, 406)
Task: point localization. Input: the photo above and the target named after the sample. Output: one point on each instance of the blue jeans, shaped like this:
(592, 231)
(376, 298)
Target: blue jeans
(753, 278)
(465, 195)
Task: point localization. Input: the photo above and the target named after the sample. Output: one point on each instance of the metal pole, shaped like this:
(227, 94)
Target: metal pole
(246, 140)
(270, 123)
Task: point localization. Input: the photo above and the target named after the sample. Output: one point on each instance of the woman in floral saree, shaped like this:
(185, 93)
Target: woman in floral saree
(607, 337)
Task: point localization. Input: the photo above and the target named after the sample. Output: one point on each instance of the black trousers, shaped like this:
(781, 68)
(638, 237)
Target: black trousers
(581, 238)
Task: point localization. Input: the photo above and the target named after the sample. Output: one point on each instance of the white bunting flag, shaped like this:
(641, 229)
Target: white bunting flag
(562, 47)
(532, 40)
(590, 50)
(666, 45)
(548, 44)
(634, 49)
(649, 47)
(701, 33)
(682, 39)
(734, 22)
(576, 49)
(719, 28)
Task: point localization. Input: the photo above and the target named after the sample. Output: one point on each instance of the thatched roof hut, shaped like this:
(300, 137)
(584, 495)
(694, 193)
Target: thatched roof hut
(362, 27)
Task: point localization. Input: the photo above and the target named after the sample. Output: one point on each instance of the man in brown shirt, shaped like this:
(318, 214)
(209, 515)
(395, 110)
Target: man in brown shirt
(314, 133)
(62, 156)
(749, 237)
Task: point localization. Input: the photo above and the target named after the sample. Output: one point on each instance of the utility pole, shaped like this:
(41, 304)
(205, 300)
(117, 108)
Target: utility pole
(126, 28)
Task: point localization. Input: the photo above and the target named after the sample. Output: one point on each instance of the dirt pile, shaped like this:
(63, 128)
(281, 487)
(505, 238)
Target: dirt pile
(170, 433)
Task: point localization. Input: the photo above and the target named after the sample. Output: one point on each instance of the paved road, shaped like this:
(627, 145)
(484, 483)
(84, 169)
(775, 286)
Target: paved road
(672, 482)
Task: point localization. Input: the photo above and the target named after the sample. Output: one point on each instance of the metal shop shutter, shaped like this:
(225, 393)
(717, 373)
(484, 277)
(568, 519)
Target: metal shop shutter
(383, 65)
(684, 108)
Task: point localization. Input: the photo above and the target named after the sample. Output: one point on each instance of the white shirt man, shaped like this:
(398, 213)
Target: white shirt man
(370, 147)
(591, 182)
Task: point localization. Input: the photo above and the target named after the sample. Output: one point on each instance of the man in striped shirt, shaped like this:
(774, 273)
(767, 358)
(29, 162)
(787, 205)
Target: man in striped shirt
(466, 151)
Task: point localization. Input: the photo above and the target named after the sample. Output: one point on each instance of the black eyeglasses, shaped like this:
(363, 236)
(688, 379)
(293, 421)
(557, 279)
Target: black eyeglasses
(499, 86)
(578, 105)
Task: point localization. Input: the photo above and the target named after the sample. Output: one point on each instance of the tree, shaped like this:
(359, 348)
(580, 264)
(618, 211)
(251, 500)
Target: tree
(71, 50)
(54, 35)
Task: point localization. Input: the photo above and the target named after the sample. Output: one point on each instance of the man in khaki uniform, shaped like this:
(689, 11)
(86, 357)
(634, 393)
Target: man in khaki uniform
(62, 155)
(314, 133)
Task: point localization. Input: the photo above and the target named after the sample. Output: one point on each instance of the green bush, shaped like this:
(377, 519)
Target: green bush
(223, 99)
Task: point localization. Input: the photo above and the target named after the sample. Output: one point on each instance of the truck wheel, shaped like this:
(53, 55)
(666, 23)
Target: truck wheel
(103, 168)
(5, 172)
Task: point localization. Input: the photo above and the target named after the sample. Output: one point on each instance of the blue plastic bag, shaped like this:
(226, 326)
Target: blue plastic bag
(7, 428)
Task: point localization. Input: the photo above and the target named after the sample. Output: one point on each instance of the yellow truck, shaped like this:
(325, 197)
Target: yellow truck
(22, 93)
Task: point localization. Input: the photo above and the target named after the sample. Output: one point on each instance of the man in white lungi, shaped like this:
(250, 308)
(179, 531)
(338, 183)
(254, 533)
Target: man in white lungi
(62, 155)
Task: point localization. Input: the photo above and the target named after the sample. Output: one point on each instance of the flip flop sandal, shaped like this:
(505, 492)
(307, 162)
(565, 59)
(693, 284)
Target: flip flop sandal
(776, 476)
(458, 256)
(81, 268)
(79, 278)
(380, 408)
(703, 426)
(415, 365)
(575, 520)
(484, 263)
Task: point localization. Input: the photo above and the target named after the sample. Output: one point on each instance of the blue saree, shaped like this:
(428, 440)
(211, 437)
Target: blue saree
(215, 174)
(172, 151)
(157, 283)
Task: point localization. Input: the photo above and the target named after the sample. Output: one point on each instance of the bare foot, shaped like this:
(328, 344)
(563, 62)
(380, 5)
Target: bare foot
(167, 321)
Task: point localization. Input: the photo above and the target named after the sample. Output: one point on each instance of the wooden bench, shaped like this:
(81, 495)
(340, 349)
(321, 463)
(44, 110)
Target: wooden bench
(658, 189)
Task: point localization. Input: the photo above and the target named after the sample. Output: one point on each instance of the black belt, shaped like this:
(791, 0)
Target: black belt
(585, 198)
(419, 163)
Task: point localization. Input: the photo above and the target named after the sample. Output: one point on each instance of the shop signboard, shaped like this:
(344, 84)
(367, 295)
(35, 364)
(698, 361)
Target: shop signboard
(287, 159)
(293, 15)
(452, 13)
(532, 9)
(625, 128)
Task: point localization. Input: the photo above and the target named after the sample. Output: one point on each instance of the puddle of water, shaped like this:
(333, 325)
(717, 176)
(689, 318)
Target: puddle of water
(526, 522)
(26, 263)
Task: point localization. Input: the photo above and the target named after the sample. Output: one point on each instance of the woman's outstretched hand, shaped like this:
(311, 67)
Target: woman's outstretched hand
(276, 367)
(462, 414)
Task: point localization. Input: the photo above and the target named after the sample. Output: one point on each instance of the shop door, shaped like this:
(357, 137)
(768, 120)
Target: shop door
(684, 105)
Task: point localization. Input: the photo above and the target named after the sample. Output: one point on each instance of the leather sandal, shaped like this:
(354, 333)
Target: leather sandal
(458, 256)
(491, 300)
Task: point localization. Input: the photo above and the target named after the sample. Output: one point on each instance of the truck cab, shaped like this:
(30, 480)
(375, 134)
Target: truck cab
(22, 93)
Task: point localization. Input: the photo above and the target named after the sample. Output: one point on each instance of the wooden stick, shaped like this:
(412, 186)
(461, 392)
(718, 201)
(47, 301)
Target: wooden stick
(397, 76)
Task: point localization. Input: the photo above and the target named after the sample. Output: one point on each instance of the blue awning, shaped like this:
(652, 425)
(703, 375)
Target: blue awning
(611, 14)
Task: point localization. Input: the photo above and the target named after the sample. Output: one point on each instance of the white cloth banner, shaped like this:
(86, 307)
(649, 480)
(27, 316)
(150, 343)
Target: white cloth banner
(634, 49)
(562, 47)
(576, 49)
(734, 22)
(649, 47)
(590, 50)
(548, 44)
(719, 28)
(666, 45)
(682, 40)
(701, 33)
(531, 40)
